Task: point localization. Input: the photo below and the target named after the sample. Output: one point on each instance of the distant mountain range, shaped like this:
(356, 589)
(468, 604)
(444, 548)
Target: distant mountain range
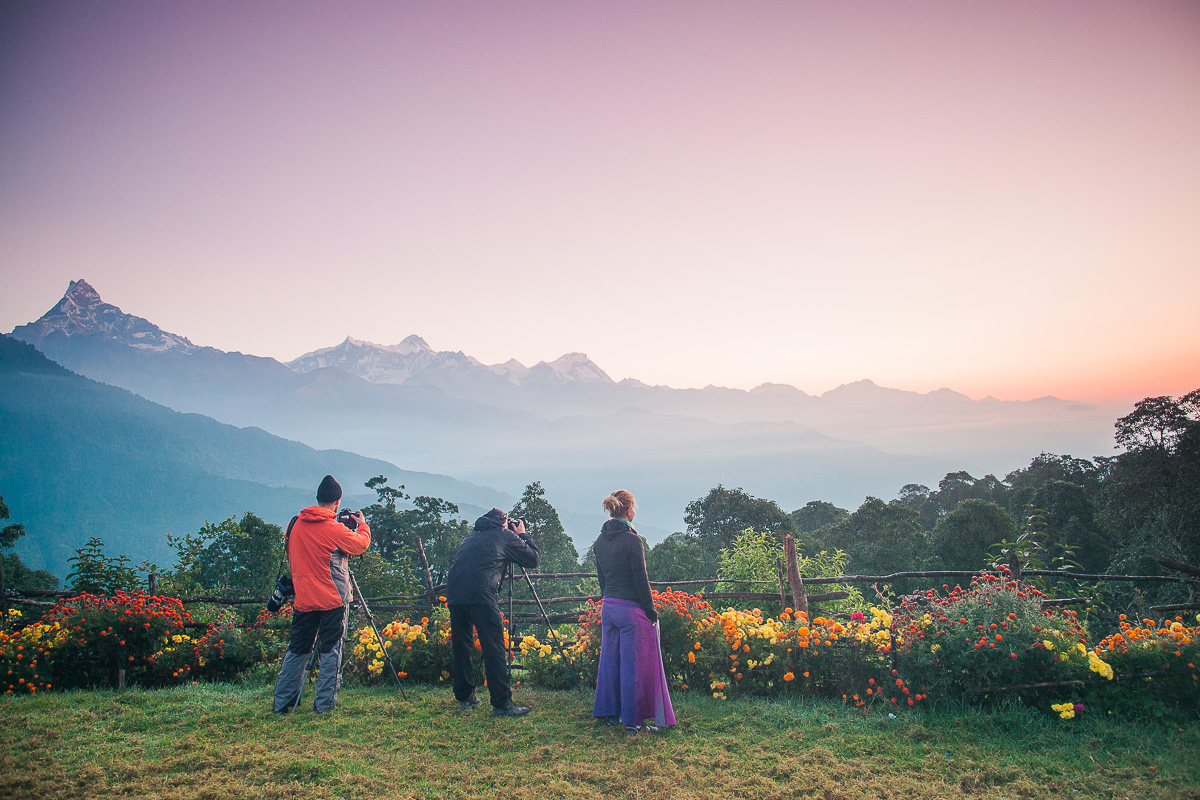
(567, 423)
(80, 459)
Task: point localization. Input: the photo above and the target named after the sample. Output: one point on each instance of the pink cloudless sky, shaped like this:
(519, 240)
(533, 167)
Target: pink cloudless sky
(998, 197)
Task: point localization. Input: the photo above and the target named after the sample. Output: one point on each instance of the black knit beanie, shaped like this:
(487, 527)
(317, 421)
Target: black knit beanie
(329, 490)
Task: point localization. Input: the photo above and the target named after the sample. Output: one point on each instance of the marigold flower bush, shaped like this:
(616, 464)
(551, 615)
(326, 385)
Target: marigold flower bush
(1168, 648)
(97, 634)
(553, 662)
(962, 642)
(228, 648)
(737, 652)
(27, 654)
(420, 650)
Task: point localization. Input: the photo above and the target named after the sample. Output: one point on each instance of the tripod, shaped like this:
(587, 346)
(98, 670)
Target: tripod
(545, 618)
(362, 604)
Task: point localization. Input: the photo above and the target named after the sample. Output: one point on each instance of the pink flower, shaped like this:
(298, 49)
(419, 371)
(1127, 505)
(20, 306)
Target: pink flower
(857, 616)
(1079, 708)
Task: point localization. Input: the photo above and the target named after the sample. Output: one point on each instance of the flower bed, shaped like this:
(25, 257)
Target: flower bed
(992, 639)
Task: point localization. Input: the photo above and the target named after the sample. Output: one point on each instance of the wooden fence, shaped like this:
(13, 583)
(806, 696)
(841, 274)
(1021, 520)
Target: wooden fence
(789, 588)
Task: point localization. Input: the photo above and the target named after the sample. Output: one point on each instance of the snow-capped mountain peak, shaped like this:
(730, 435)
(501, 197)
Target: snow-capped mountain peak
(570, 368)
(81, 312)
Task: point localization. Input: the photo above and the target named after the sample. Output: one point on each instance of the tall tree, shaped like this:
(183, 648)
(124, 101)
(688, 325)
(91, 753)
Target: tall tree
(880, 537)
(1150, 501)
(556, 551)
(962, 538)
(717, 518)
(679, 557)
(817, 514)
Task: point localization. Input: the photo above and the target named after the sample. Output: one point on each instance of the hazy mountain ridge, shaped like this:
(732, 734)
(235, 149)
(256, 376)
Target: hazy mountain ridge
(414, 360)
(567, 424)
(80, 458)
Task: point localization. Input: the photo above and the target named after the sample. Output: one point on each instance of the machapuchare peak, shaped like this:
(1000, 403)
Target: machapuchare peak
(81, 312)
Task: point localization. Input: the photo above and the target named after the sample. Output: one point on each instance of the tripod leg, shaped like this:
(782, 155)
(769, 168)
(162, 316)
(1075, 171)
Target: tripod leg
(312, 660)
(362, 603)
(553, 633)
(509, 655)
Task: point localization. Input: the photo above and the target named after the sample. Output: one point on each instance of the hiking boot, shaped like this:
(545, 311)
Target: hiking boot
(469, 703)
(510, 710)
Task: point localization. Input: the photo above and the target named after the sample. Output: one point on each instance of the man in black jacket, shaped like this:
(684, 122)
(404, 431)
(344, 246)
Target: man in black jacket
(472, 593)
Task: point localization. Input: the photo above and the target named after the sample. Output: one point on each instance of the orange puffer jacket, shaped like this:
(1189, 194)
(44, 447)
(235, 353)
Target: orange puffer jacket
(318, 551)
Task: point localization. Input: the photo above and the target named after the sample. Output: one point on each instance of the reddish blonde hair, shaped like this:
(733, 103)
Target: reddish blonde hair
(618, 503)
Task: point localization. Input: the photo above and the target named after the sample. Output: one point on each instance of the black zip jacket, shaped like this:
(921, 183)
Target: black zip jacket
(479, 564)
(621, 565)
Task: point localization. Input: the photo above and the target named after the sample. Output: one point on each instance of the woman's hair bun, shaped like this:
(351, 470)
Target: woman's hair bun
(618, 503)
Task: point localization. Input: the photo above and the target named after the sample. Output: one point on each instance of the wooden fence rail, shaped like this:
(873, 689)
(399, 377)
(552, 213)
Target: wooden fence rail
(789, 582)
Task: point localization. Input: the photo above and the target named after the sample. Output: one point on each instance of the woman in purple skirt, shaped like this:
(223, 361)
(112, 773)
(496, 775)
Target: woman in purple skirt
(631, 683)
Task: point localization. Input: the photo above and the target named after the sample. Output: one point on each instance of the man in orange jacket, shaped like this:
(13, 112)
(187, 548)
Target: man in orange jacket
(319, 549)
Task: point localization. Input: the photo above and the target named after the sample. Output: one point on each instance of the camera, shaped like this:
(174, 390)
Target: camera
(284, 591)
(346, 517)
(513, 522)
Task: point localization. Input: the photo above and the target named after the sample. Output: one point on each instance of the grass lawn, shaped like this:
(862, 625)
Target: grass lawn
(220, 741)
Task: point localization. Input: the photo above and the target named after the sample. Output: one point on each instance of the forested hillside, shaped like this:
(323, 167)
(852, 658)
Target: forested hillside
(80, 459)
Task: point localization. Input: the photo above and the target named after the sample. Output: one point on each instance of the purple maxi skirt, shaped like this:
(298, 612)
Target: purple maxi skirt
(631, 682)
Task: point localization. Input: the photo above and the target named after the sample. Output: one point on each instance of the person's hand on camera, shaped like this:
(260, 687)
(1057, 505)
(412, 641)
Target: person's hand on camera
(358, 517)
(518, 526)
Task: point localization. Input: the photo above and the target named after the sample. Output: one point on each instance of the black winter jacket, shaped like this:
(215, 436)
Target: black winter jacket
(621, 565)
(479, 564)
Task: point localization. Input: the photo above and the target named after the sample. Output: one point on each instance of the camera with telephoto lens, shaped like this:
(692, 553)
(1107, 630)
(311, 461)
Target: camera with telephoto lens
(284, 591)
(346, 517)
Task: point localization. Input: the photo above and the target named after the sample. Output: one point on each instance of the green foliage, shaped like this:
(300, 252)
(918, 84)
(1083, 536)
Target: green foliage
(9, 534)
(829, 564)
(556, 551)
(230, 648)
(396, 531)
(961, 539)
(679, 557)
(239, 559)
(817, 514)
(18, 577)
(716, 519)
(378, 577)
(880, 538)
(14, 575)
(95, 573)
(751, 557)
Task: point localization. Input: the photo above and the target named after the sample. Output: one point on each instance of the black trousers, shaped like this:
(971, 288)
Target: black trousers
(486, 621)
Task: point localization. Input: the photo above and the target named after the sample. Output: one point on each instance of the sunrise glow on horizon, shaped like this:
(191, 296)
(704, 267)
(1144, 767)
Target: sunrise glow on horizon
(998, 198)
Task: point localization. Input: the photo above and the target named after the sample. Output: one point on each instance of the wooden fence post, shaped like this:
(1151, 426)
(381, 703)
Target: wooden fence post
(780, 575)
(799, 596)
(1014, 565)
(152, 585)
(426, 574)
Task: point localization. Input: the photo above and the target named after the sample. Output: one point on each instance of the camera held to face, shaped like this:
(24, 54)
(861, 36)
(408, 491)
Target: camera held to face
(515, 524)
(347, 518)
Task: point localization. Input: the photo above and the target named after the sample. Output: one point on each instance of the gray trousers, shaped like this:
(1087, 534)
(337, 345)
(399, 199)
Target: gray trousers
(327, 630)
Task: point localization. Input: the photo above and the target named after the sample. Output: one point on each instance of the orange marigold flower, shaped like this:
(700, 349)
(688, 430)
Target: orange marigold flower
(787, 676)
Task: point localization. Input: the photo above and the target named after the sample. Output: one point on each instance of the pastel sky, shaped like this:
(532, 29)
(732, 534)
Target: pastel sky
(999, 197)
